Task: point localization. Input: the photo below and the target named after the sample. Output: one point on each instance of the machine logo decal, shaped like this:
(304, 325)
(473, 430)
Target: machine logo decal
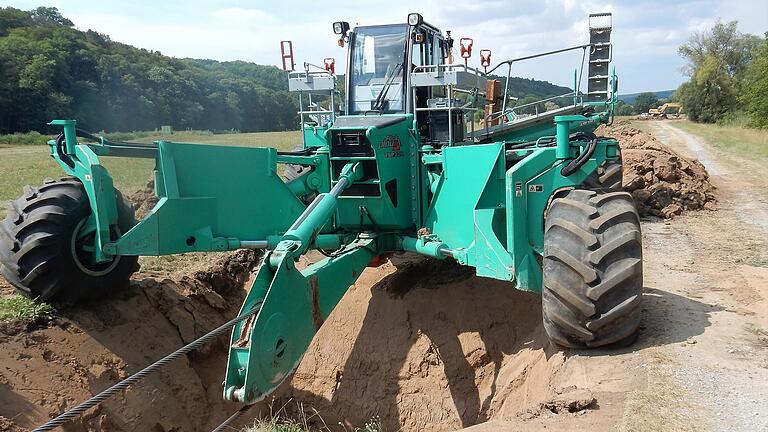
(391, 143)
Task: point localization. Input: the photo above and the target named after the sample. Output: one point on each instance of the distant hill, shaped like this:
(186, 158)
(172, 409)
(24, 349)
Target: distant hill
(523, 87)
(630, 98)
(49, 69)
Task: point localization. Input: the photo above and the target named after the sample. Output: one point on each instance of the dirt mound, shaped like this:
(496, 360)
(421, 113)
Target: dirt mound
(419, 344)
(423, 345)
(89, 347)
(662, 182)
(144, 200)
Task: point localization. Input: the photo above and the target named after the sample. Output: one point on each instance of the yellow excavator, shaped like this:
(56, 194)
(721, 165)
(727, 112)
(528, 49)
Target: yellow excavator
(668, 110)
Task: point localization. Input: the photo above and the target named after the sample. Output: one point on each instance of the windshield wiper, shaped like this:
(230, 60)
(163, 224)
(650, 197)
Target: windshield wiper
(378, 105)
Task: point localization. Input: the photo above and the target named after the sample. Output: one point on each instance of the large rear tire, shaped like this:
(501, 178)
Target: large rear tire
(593, 269)
(42, 253)
(607, 177)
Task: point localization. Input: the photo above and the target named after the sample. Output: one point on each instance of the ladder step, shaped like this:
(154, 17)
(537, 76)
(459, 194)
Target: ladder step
(598, 77)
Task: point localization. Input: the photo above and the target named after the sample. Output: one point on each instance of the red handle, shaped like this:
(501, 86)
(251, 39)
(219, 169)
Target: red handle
(330, 64)
(485, 58)
(466, 47)
(286, 52)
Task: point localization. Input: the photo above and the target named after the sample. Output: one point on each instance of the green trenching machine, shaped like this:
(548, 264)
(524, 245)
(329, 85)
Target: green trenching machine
(421, 155)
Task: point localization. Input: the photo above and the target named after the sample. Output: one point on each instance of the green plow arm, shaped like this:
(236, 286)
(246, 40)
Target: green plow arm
(266, 348)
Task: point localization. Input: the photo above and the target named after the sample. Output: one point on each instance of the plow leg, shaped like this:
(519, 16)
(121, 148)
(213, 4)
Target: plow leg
(265, 350)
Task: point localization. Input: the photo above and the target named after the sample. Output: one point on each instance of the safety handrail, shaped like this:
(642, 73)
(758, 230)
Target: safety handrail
(448, 67)
(501, 114)
(533, 56)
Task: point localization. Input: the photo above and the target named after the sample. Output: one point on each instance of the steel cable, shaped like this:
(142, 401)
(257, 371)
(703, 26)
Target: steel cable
(232, 418)
(72, 413)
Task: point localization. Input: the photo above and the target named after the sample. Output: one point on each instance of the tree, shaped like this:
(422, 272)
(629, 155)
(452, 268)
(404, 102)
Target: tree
(710, 93)
(645, 101)
(717, 61)
(755, 95)
(49, 16)
(48, 69)
(733, 48)
(624, 109)
(12, 18)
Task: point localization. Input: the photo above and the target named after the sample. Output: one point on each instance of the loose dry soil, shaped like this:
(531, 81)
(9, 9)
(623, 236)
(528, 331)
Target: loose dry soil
(424, 345)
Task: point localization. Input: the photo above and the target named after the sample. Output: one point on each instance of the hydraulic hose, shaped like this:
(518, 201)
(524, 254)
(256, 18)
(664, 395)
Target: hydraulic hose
(589, 150)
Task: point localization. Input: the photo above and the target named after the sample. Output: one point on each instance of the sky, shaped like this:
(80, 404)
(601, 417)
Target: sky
(646, 33)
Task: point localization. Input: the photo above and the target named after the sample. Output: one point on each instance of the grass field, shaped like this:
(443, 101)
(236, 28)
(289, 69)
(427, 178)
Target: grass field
(750, 143)
(27, 164)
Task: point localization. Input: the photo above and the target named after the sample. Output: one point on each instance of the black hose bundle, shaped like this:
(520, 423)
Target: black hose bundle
(580, 160)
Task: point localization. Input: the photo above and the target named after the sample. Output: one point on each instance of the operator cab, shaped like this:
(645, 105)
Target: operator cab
(380, 61)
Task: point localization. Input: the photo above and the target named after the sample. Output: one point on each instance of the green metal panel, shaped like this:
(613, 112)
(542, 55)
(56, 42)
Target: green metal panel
(213, 192)
(468, 171)
(395, 149)
(531, 183)
(314, 136)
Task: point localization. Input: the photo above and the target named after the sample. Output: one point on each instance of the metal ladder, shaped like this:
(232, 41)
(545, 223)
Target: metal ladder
(600, 26)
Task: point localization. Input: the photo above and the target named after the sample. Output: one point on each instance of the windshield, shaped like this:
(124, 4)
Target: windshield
(376, 54)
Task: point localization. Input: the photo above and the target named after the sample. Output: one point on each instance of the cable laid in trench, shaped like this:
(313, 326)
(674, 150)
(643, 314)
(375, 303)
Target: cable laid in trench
(224, 426)
(72, 413)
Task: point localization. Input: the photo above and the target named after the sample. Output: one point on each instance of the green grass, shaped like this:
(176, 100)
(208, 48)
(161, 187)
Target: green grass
(25, 164)
(36, 138)
(29, 138)
(761, 336)
(745, 142)
(277, 424)
(22, 308)
(281, 421)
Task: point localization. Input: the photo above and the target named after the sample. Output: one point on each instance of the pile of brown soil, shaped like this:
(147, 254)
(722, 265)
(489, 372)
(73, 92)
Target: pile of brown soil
(144, 200)
(423, 345)
(85, 349)
(662, 182)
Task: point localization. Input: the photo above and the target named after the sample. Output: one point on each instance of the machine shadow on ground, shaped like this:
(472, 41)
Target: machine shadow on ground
(439, 301)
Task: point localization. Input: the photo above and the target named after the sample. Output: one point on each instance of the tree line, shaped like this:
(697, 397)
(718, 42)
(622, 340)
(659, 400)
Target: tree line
(728, 73)
(728, 79)
(49, 69)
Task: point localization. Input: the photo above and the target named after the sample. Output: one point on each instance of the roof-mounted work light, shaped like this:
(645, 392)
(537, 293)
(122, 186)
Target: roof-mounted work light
(415, 19)
(340, 27)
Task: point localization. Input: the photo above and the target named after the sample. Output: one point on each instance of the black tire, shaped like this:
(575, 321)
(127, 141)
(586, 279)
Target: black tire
(593, 269)
(39, 254)
(607, 177)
